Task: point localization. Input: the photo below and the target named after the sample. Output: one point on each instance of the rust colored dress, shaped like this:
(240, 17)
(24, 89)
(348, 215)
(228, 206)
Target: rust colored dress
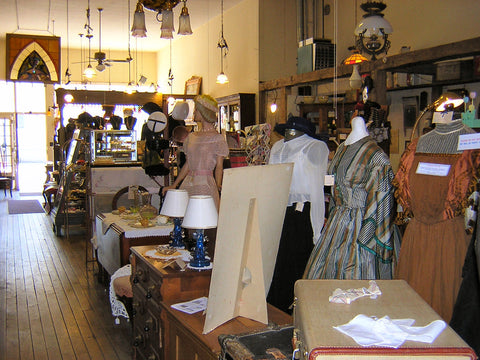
(435, 242)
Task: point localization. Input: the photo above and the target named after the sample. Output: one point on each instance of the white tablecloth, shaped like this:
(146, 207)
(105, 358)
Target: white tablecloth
(133, 232)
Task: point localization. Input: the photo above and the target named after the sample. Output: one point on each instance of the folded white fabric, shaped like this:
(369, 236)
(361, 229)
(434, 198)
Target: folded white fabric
(369, 331)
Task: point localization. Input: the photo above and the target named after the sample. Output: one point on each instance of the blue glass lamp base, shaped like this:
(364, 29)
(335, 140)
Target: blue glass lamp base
(199, 260)
(176, 236)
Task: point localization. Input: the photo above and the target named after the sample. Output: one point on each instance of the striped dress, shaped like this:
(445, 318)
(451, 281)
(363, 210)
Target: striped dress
(360, 239)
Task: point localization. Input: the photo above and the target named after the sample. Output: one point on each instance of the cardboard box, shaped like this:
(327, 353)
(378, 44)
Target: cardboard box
(315, 317)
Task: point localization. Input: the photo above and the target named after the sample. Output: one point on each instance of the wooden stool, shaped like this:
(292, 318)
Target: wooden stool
(49, 191)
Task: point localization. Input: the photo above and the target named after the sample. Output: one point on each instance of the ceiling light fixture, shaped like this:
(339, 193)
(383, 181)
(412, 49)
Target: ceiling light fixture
(222, 44)
(373, 30)
(89, 72)
(165, 9)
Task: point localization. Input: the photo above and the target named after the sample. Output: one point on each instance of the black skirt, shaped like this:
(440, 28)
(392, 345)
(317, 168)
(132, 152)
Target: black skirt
(296, 244)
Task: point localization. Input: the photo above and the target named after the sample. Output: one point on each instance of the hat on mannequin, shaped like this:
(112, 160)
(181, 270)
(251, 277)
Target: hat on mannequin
(207, 106)
(297, 123)
(180, 110)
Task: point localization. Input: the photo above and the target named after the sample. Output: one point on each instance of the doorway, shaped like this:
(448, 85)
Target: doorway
(32, 153)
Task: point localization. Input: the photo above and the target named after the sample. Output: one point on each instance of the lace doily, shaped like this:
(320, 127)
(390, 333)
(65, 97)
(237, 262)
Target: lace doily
(118, 308)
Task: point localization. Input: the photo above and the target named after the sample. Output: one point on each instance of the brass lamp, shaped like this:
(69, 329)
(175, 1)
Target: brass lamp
(446, 102)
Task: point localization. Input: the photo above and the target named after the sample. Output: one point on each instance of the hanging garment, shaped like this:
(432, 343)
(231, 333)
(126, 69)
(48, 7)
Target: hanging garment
(360, 239)
(435, 242)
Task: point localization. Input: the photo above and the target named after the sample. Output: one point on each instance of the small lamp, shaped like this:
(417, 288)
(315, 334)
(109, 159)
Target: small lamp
(174, 206)
(201, 214)
(138, 28)
(445, 102)
(356, 78)
(184, 27)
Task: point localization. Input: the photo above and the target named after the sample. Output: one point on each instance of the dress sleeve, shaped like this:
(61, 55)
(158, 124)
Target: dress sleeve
(401, 182)
(222, 146)
(376, 234)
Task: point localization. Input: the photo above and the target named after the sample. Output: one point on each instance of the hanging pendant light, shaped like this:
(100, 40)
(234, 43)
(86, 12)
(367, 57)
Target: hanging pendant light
(89, 72)
(138, 28)
(167, 23)
(184, 27)
(222, 44)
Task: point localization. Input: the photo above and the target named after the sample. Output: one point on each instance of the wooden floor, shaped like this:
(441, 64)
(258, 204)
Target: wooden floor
(51, 307)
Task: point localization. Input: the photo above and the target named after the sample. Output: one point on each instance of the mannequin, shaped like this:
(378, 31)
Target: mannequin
(360, 239)
(359, 131)
(433, 184)
(304, 216)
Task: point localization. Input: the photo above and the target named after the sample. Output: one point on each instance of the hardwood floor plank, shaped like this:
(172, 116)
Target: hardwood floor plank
(51, 307)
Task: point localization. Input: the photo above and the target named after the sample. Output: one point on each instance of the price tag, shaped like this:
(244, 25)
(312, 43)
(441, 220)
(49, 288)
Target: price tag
(442, 117)
(329, 180)
(299, 207)
(469, 141)
(433, 169)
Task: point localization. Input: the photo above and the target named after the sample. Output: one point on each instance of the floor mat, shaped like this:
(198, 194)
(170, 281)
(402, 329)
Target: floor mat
(24, 207)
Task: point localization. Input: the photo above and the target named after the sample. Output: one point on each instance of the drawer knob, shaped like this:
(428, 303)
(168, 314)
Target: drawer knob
(148, 324)
(150, 291)
(138, 340)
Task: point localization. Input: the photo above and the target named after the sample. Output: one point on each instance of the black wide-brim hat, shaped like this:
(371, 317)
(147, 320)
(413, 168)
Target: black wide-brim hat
(151, 107)
(297, 123)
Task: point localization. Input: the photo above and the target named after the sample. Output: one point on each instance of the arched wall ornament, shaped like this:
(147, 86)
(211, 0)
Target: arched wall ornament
(38, 50)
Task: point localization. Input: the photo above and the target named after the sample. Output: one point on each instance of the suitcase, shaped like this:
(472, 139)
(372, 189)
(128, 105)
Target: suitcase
(272, 343)
(314, 318)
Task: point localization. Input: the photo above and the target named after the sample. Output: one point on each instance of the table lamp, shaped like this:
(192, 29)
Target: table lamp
(174, 206)
(201, 214)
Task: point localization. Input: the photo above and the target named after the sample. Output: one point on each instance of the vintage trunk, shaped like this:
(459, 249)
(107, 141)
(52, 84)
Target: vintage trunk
(315, 317)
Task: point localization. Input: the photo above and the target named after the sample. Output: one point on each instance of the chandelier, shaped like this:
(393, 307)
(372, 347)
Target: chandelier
(373, 30)
(164, 10)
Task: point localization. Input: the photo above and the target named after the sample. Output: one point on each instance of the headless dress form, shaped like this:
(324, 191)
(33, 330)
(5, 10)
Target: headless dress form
(435, 242)
(359, 131)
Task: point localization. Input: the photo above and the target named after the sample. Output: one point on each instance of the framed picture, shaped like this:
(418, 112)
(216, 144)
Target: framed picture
(192, 85)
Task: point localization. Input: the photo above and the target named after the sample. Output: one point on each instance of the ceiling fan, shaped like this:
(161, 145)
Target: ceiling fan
(100, 56)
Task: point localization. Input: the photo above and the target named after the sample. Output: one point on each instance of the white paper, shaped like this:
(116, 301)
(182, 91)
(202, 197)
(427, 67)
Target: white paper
(433, 169)
(329, 180)
(469, 142)
(192, 307)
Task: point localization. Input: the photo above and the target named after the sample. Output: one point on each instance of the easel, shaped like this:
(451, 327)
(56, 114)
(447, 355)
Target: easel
(252, 210)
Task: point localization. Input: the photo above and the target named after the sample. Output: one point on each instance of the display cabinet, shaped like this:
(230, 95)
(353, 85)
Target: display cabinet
(70, 205)
(236, 111)
(113, 147)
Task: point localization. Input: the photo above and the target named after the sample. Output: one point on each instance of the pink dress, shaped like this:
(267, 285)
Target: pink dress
(202, 149)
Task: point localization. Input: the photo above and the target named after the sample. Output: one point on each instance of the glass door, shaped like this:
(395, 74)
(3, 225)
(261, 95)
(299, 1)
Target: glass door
(8, 148)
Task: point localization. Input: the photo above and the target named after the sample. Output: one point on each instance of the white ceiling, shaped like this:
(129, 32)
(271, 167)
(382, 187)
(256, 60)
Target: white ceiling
(49, 17)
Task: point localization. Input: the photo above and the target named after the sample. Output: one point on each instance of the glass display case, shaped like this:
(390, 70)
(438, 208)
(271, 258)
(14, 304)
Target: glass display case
(111, 147)
(236, 111)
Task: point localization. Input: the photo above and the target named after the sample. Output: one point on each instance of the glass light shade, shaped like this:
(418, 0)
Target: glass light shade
(89, 72)
(175, 203)
(201, 213)
(356, 78)
(138, 27)
(355, 58)
(166, 34)
(222, 78)
(273, 107)
(167, 20)
(100, 67)
(372, 24)
(447, 98)
(184, 27)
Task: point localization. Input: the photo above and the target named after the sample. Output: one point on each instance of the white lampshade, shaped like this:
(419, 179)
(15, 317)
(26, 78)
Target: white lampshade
(89, 72)
(373, 24)
(138, 27)
(184, 27)
(175, 203)
(167, 20)
(222, 78)
(201, 213)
